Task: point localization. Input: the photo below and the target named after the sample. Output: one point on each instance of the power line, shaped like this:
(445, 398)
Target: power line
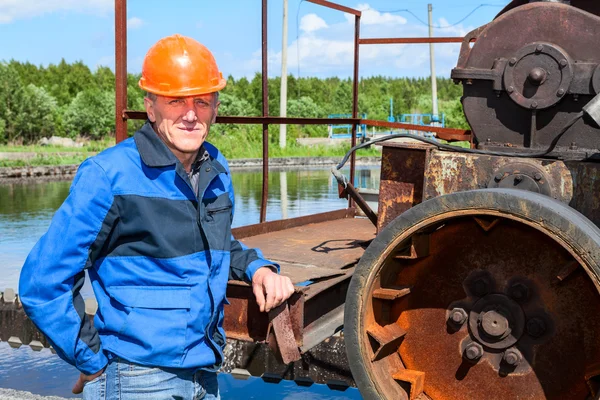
(438, 27)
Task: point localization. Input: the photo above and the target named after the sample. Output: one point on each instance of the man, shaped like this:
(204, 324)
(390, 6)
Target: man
(150, 219)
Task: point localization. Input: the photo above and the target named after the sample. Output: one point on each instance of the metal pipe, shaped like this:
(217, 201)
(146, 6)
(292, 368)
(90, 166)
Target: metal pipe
(335, 6)
(354, 100)
(120, 69)
(435, 116)
(265, 111)
(283, 89)
(415, 40)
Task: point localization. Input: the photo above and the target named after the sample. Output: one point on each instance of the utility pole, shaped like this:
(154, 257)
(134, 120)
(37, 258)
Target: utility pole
(435, 117)
(283, 92)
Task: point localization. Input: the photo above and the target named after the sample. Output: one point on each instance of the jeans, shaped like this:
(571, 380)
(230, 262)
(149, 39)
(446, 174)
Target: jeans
(125, 380)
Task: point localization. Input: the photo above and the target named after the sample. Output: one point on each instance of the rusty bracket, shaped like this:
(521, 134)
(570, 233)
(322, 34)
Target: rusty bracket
(285, 330)
(347, 189)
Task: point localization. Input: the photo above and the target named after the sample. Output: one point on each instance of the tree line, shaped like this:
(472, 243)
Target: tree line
(70, 100)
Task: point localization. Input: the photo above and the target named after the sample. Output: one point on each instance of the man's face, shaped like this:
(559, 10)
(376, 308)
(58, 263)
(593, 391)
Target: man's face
(183, 122)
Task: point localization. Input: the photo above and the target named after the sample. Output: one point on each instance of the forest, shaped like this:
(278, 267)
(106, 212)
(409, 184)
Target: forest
(71, 100)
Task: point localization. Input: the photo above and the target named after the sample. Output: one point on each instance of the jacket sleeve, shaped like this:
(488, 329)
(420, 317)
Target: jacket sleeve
(53, 274)
(245, 261)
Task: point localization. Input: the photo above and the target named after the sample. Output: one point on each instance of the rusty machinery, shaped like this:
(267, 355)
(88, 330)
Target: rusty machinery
(483, 280)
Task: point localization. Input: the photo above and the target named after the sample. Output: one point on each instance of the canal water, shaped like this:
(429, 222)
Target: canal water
(25, 213)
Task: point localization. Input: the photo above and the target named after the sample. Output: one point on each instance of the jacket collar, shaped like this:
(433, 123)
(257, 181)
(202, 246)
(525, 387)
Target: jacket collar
(155, 153)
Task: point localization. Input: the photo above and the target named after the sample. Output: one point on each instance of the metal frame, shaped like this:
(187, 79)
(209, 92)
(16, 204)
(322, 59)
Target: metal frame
(122, 114)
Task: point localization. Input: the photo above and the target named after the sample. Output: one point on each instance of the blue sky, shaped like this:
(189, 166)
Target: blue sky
(44, 31)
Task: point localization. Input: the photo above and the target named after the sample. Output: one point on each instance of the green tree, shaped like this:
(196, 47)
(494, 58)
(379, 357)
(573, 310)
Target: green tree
(36, 115)
(91, 114)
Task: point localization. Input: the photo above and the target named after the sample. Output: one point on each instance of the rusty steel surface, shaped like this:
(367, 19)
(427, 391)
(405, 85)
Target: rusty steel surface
(408, 40)
(336, 6)
(120, 69)
(520, 90)
(275, 226)
(286, 342)
(401, 183)
(438, 282)
(493, 278)
(446, 172)
(332, 244)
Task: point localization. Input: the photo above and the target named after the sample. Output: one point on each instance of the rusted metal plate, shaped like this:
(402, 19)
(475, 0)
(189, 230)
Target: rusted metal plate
(284, 334)
(299, 273)
(401, 185)
(332, 244)
(279, 225)
(510, 250)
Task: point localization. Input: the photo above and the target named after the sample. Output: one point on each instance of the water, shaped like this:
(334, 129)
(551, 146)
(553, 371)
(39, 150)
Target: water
(25, 213)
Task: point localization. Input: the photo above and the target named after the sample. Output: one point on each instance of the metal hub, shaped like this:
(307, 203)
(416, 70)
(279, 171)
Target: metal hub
(496, 321)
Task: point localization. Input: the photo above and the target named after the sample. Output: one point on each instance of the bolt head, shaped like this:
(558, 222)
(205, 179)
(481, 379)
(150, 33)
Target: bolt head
(473, 352)
(534, 104)
(519, 291)
(512, 357)
(539, 48)
(512, 61)
(480, 287)
(563, 63)
(518, 178)
(510, 89)
(458, 316)
(536, 327)
(560, 92)
(538, 176)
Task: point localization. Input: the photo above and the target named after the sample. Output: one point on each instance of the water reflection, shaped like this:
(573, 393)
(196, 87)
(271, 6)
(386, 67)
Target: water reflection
(25, 213)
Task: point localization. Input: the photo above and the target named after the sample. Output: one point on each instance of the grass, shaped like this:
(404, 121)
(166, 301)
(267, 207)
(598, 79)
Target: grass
(47, 155)
(90, 147)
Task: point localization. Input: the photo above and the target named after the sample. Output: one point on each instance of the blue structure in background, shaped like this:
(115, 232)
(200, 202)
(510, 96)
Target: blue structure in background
(423, 119)
(345, 131)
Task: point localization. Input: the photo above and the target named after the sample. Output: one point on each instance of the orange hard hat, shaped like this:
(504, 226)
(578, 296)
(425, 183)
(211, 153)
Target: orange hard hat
(180, 66)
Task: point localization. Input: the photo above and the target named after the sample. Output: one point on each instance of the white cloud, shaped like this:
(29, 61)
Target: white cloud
(374, 17)
(22, 9)
(134, 23)
(330, 52)
(312, 22)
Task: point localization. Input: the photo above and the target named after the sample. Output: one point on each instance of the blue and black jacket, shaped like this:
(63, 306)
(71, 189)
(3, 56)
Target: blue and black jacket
(158, 257)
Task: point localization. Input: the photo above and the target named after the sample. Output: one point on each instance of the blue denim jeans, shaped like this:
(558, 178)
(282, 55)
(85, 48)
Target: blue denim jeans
(125, 380)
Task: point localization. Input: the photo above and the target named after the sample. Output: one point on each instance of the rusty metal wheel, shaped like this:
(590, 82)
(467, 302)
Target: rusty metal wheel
(485, 294)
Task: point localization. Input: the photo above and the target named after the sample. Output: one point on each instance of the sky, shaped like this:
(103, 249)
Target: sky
(320, 40)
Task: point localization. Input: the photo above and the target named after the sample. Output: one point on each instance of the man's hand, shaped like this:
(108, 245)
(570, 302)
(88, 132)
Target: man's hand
(78, 388)
(270, 289)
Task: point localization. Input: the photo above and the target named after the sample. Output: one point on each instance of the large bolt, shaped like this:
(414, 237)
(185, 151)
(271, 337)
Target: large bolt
(494, 324)
(512, 357)
(480, 287)
(473, 351)
(536, 327)
(519, 291)
(538, 176)
(458, 316)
